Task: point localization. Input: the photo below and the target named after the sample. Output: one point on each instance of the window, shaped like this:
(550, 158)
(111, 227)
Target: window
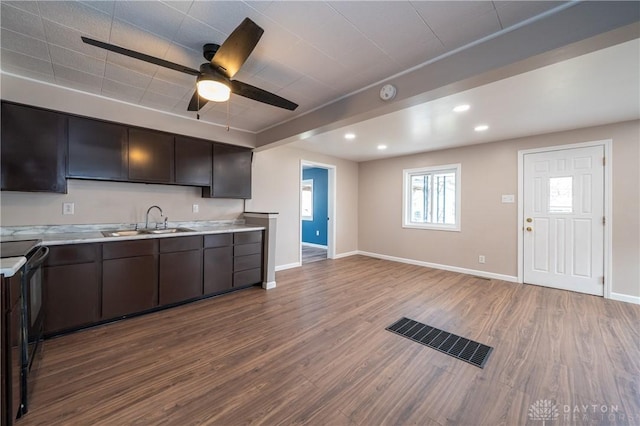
(307, 199)
(432, 198)
(561, 194)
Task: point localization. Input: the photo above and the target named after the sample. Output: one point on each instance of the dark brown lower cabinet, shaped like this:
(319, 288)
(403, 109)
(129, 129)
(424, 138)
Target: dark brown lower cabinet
(180, 269)
(85, 284)
(129, 285)
(72, 296)
(71, 287)
(218, 269)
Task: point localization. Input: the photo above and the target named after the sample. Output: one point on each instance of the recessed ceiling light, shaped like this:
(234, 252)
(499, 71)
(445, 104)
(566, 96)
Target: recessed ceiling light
(382, 147)
(350, 136)
(481, 128)
(461, 108)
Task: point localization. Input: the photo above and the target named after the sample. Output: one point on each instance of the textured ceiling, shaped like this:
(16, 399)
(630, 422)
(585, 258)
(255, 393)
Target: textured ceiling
(311, 52)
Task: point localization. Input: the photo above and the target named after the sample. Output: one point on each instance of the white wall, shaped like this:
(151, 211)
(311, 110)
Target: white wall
(276, 188)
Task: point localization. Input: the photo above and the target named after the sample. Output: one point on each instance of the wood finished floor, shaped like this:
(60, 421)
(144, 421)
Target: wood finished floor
(313, 254)
(315, 351)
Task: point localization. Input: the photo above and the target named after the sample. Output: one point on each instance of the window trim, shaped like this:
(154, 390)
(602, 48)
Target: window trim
(309, 183)
(406, 197)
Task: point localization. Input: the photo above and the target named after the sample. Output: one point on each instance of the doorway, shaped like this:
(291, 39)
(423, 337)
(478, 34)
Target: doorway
(317, 189)
(563, 208)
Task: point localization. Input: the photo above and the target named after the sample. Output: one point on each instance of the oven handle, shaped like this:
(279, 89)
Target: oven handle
(37, 259)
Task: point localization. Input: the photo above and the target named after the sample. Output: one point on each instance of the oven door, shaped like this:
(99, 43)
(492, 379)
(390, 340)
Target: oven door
(32, 319)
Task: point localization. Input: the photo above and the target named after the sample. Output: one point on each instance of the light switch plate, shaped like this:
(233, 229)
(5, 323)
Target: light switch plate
(508, 198)
(68, 208)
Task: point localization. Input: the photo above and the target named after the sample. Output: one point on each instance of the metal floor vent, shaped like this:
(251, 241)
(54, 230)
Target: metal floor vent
(459, 347)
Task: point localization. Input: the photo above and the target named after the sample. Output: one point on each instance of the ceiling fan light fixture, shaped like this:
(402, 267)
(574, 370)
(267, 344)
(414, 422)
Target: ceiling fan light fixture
(213, 90)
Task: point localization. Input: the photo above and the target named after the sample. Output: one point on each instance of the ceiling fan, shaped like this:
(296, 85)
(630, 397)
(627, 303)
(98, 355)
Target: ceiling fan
(214, 78)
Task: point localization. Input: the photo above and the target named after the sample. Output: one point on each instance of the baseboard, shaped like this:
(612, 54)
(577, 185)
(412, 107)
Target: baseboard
(625, 298)
(314, 245)
(347, 254)
(483, 274)
(269, 285)
(287, 266)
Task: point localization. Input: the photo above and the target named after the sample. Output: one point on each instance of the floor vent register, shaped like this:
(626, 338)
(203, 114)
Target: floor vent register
(458, 347)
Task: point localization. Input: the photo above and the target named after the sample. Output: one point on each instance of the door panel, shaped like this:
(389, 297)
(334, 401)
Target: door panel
(563, 219)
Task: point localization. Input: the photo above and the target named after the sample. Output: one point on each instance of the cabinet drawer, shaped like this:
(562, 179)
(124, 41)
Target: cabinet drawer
(248, 277)
(71, 254)
(245, 249)
(241, 263)
(247, 237)
(129, 249)
(217, 240)
(174, 244)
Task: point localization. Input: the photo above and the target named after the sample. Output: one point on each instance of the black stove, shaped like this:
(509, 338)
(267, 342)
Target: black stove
(30, 316)
(18, 248)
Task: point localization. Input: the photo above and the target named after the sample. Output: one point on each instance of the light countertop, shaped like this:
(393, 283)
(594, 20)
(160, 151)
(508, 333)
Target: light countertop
(10, 265)
(76, 236)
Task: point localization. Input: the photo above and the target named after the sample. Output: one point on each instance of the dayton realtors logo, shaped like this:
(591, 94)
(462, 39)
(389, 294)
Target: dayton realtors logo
(543, 410)
(547, 411)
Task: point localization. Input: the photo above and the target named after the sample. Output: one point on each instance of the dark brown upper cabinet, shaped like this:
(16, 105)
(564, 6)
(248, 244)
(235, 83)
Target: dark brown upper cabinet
(193, 161)
(97, 150)
(151, 156)
(231, 172)
(33, 149)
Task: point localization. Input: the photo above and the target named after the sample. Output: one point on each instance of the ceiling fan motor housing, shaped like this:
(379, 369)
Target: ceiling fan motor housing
(209, 49)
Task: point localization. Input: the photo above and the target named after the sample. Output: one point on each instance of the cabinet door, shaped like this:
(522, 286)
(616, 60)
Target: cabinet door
(180, 276)
(218, 269)
(71, 296)
(129, 285)
(97, 150)
(231, 172)
(150, 156)
(33, 149)
(193, 161)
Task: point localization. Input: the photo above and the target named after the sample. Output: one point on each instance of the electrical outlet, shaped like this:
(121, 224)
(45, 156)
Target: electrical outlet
(317, 233)
(508, 198)
(68, 208)
(196, 208)
(481, 259)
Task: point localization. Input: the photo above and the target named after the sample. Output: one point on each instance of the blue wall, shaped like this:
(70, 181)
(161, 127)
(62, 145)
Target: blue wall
(320, 210)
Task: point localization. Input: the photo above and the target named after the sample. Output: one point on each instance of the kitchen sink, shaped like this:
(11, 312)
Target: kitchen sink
(134, 232)
(167, 231)
(122, 233)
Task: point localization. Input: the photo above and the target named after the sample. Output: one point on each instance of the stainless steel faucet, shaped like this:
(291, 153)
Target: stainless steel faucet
(146, 222)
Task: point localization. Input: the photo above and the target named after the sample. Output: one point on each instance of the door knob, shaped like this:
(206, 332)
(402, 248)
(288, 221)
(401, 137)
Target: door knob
(529, 229)
(529, 220)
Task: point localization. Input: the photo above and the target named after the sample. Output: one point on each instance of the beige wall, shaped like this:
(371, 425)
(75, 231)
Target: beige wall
(488, 226)
(112, 202)
(276, 188)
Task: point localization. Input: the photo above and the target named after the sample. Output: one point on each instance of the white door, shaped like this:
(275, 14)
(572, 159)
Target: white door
(564, 219)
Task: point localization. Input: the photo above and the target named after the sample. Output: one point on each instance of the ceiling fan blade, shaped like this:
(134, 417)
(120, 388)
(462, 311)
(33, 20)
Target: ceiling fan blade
(194, 104)
(257, 94)
(237, 47)
(140, 56)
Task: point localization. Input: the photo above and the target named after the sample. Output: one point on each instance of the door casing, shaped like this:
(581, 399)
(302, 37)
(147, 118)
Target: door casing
(331, 208)
(606, 144)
